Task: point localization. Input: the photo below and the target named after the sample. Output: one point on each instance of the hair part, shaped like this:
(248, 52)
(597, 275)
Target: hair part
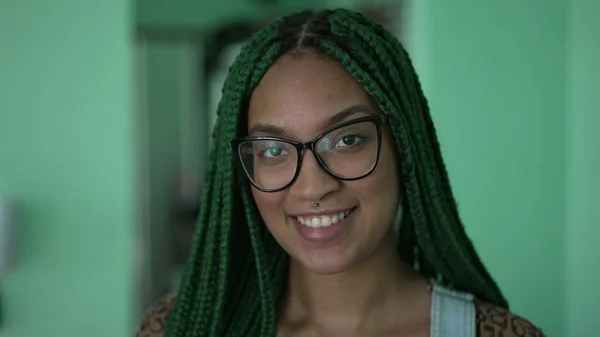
(237, 272)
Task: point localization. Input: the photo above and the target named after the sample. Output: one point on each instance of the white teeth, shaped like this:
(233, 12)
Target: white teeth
(323, 220)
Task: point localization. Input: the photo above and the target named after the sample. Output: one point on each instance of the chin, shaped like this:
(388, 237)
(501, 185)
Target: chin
(324, 263)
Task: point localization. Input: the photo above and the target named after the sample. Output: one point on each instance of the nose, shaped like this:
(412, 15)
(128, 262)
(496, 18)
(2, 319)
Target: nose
(313, 183)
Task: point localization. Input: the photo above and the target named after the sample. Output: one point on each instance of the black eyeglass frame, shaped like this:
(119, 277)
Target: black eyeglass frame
(378, 120)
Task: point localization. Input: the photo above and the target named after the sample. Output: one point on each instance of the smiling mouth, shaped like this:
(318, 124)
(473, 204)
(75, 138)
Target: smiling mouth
(323, 220)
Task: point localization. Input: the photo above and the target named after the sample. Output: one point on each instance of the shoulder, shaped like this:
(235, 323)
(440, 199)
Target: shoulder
(494, 321)
(154, 321)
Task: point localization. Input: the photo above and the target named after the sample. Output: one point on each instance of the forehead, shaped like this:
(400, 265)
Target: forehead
(299, 94)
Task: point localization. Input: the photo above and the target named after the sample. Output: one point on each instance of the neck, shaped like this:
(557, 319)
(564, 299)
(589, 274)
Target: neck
(373, 288)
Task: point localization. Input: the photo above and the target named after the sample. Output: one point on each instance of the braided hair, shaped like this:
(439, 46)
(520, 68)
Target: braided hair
(237, 272)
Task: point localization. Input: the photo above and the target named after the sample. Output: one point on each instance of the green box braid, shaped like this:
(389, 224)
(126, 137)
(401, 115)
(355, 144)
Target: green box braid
(236, 273)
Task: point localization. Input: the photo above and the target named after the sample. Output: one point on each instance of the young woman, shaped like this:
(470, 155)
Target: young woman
(327, 210)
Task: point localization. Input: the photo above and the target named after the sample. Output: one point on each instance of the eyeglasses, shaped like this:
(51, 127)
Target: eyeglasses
(348, 151)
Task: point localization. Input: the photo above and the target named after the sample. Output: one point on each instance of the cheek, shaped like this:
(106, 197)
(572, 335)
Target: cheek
(379, 192)
(380, 185)
(270, 206)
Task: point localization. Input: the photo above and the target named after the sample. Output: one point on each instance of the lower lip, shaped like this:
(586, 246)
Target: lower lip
(322, 235)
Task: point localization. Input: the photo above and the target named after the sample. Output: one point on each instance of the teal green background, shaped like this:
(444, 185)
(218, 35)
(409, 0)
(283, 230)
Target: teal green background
(66, 156)
(512, 86)
(582, 225)
(497, 89)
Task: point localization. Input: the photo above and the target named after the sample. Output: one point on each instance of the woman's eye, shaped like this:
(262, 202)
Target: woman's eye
(349, 140)
(273, 151)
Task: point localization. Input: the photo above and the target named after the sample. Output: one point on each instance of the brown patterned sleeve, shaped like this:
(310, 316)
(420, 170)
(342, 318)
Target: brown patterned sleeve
(153, 323)
(494, 321)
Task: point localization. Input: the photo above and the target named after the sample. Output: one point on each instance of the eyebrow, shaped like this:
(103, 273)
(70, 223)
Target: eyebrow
(326, 124)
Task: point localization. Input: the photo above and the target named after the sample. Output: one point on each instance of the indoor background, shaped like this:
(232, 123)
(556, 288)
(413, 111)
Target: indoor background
(105, 116)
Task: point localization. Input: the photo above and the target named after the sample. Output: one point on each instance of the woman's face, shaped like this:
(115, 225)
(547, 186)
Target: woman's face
(298, 99)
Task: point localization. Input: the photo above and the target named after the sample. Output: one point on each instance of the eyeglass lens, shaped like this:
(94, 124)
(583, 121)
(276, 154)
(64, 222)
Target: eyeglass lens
(347, 152)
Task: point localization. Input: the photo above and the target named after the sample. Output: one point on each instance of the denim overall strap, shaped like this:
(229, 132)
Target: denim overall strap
(452, 313)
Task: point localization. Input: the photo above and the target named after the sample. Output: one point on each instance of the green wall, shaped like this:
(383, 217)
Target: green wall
(66, 156)
(583, 168)
(191, 14)
(495, 77)
(513, 89)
